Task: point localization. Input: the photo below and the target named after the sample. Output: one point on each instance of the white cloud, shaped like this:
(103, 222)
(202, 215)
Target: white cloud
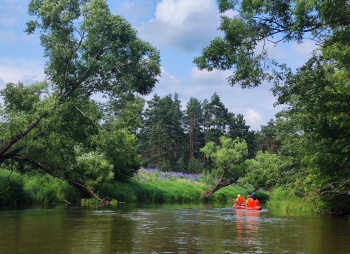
(168, 84)
(300, 53)
(182, 24)
(254, 104)
(176, 12)
(21, 70)
(254, 118)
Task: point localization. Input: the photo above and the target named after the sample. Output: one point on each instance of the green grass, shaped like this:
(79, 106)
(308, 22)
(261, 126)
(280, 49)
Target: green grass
(289, 201)
(37, 188)
(34, 188)
(168, 191)
(152, 191)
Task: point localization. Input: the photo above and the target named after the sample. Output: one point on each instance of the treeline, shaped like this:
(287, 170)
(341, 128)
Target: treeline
(171, 138)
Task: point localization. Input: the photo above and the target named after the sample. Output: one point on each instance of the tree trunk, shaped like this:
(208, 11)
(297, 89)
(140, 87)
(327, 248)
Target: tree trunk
(219, 185)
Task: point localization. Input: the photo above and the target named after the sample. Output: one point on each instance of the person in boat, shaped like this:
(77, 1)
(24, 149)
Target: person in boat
(239, 200)
(249, 202)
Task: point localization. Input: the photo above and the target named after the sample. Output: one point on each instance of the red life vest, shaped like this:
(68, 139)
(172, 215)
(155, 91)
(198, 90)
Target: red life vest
(239, 200)
(250, 202)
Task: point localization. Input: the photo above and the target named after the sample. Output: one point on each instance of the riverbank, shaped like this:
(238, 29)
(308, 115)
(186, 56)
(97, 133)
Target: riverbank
(147, 186)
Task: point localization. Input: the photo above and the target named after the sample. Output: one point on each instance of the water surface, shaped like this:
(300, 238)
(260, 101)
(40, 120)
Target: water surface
(168, 228)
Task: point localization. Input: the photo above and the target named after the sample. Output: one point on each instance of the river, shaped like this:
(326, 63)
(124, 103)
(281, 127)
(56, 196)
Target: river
(168, 228)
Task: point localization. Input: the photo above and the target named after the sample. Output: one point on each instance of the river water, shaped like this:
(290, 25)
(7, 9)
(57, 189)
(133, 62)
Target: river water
(168, 228)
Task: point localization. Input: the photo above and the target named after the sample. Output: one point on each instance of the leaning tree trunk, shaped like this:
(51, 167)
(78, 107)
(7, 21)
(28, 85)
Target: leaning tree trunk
(90, 191)
(222, 182)
(19, 136)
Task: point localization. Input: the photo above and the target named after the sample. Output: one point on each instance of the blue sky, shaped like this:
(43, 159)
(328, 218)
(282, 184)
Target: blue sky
(179, 29)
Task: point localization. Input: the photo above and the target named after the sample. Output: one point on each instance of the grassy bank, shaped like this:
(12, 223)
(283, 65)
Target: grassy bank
(163, 191)
(34, 188)
(147, 186)
(288, 200)
(151, 185)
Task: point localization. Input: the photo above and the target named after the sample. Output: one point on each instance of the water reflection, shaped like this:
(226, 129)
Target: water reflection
(247, 225)
(168, 228)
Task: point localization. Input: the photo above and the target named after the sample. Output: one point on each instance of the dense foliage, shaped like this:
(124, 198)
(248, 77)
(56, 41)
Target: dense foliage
(153, 185)
(171, 138)
(55, 125)
(312, 133)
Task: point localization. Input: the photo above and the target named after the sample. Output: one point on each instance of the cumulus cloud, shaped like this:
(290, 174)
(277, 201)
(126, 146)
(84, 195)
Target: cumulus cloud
(182, 24)
(168, 84)
(254, 118)
(23, 70)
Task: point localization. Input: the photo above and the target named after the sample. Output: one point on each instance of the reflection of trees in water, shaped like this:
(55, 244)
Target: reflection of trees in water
(174, 229)
(67, 230)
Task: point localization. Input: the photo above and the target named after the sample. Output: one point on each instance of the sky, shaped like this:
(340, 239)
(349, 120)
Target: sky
(179, 29)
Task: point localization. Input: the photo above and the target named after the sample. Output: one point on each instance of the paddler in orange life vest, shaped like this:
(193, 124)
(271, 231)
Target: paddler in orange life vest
(239, 200)
(249, 202)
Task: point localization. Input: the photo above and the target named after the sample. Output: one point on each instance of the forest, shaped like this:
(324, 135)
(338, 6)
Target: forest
(56, 127)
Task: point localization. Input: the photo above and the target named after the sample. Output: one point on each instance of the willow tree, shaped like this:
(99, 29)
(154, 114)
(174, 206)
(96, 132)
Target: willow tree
(228, 158)
(56, 126)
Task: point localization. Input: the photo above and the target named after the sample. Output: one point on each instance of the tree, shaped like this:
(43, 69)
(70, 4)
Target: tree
(193, 121)
(267, 137)
(90, 51)
(319, 106)
(228, 158)
(262, 171)
(162, 133)
(239, 129)
(258, 23)
(313, 129)
(216, 119)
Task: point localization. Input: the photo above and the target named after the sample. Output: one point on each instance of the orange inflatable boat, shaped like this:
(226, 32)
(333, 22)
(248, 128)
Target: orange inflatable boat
(247, 207)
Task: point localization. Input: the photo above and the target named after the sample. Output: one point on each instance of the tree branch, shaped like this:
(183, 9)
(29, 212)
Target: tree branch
(19, 136)
(82, 36)
(34, 163)
(88, 117)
